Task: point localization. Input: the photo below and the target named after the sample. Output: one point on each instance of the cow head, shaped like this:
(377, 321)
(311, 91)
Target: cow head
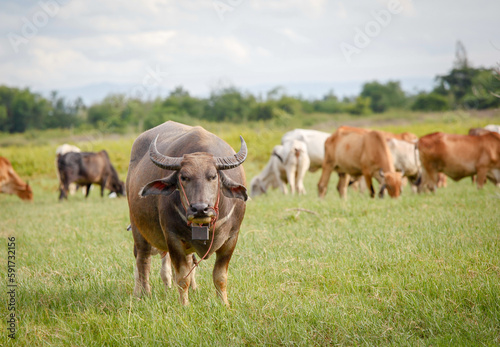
(200, 179)
(25, 193)
(392, 181)
(117, 186)
(257, 187)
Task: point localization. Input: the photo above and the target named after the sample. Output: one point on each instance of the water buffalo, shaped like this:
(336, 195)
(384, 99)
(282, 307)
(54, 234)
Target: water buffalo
(86, 168)
(186, 194)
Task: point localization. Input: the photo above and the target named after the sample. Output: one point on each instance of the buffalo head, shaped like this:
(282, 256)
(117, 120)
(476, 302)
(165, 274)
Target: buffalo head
(200, 180)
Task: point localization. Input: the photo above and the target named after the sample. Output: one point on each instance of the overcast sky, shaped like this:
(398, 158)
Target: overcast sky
(151, 46)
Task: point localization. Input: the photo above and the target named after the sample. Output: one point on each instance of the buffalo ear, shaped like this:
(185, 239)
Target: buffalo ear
(164, 186)
(232, 189)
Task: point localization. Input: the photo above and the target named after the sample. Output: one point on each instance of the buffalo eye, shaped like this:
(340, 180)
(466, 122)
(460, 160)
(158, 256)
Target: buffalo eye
(184, 178)
(212, 177)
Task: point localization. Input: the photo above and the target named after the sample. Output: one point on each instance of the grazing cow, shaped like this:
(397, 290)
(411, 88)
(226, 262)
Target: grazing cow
(406, 160)
(404, 136)
(186, 194)
(11, 183)
(459, 156)
(63, 149)
(356, 153)
(288, 164)
(315, 142)
(85, 168)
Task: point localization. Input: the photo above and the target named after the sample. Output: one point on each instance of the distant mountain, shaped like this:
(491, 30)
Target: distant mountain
(95, 93)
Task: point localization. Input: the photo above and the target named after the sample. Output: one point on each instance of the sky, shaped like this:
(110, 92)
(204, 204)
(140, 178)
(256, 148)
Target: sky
(309, 47)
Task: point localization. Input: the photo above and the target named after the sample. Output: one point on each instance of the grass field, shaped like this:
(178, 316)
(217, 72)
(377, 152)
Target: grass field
(420, 270)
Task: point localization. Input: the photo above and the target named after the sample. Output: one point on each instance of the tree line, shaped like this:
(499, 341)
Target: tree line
(463, 86)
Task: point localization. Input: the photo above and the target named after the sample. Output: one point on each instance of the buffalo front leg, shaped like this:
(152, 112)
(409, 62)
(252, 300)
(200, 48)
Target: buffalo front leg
(221, 266)
(142, 253)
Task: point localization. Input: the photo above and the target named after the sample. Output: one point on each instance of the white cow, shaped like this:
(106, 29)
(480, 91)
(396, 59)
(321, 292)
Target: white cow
(493, 127)
(61, 150)
(406, 160)
(315, 142)
(288, 164)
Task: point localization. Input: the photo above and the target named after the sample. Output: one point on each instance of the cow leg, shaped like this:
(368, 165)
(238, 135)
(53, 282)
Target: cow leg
(343, 184)
(87, 190)
(381, 181)
(103, 185)
(290, 175)
(142, 253)
(221, 265)
(325, 178)
(481, 177)
(301, 172)
(63, 194)
(369, 184)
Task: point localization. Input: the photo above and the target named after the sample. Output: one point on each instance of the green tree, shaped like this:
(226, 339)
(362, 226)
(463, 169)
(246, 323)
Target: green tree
(384, 96)
(229, 104)
(430, 102)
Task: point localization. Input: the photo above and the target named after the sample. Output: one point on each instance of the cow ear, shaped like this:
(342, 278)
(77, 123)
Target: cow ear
(165, 186)
(232, 189)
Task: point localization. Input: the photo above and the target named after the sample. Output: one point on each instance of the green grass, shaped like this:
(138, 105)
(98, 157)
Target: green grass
(420, 270)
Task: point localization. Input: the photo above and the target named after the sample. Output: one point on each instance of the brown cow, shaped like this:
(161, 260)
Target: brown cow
(459, 156)
(11, 183)
(186, 194)
(404, 136)
(355, 152)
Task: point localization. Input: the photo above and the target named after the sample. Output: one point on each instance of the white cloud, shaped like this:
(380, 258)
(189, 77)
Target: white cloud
(262, 41)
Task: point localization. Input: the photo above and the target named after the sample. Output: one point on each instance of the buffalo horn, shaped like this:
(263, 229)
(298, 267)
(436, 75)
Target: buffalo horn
(226, 163)
(163, 161)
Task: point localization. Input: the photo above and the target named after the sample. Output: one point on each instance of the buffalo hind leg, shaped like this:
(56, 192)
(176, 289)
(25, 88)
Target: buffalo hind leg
(166, 272)
(182, 266)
